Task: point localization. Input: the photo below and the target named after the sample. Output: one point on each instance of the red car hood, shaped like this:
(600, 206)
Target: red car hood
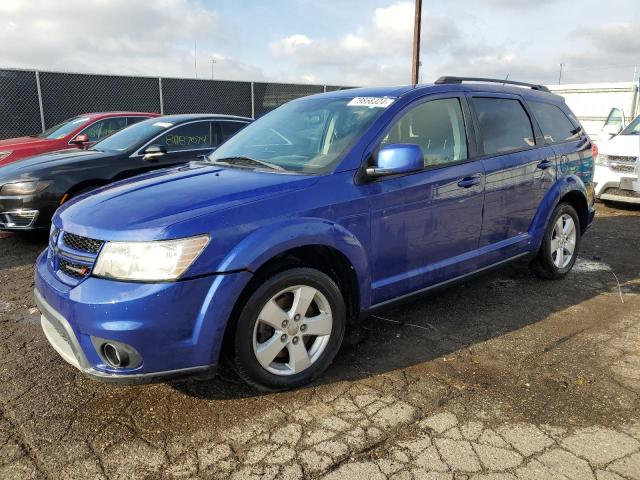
(12, 143)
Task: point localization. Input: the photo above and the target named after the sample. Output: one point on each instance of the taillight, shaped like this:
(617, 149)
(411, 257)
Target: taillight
(594, 151)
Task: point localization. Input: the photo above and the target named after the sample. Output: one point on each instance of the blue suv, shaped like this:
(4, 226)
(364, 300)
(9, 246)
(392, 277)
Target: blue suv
(326, 209)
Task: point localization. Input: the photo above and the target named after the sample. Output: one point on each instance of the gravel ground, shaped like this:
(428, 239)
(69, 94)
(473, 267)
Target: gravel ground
(503, 377)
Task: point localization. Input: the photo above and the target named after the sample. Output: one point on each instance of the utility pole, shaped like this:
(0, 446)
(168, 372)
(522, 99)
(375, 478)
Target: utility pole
(415, 74)
(560, 76)
(213, 62)
(195, 58)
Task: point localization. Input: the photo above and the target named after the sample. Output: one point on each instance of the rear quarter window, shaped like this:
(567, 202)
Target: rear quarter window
(554, 123)
(504, 125)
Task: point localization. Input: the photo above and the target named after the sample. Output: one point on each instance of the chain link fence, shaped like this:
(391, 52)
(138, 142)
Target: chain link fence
(32, 101)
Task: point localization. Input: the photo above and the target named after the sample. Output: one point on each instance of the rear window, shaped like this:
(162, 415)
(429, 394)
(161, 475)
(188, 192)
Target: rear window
(556, 126)
(504, 125)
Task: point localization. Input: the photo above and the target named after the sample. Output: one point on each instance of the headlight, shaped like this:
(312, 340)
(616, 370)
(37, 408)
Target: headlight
(23, 188)
(149, 261)
(5, 154)
(602, 159)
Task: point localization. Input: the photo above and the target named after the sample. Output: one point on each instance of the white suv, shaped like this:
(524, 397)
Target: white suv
(617, 169)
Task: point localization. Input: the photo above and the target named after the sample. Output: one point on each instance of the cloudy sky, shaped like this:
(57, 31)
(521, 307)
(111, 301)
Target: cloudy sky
(343, 42)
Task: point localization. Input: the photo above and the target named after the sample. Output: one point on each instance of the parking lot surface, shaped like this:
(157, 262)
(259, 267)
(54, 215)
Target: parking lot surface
(503, 377)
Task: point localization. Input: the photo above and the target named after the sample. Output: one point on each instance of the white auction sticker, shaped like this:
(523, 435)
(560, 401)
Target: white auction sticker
(163, 124)
(380, 102)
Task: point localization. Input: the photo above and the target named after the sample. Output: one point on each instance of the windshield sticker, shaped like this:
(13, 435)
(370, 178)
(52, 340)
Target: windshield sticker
(379, 102)
(163, 124)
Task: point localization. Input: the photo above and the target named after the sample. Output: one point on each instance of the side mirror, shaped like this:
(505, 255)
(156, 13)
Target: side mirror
(397, 159)
(80, 140)
(152, 152)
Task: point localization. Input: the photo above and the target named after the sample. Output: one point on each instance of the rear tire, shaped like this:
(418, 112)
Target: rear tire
(274, 346)
(560, 244)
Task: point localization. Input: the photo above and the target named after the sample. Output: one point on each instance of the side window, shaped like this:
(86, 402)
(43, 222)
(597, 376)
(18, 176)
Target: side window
(615, 118)
(229, 129)
(103, 128)
(191, 136)
(556, 126)
(504, 125)
(437, 127)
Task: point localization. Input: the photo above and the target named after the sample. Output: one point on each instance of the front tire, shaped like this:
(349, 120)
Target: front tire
(290, 330)
(560, 244)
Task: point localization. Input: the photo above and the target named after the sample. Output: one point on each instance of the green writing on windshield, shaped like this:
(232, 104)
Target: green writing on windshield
(187, 140)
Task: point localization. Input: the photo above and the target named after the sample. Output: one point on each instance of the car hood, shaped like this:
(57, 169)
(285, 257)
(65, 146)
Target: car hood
(18, 142)
(52, 161)
(143, 207)
(621, 145)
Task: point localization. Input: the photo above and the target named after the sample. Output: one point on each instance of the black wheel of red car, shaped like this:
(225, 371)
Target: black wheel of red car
(289, 330)
(560, 244)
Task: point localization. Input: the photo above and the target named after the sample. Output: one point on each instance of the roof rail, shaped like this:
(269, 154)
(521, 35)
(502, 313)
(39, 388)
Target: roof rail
(445, 80)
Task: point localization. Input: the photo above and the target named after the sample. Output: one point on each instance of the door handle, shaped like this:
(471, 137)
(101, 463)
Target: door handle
(544, 164)
(468, 182)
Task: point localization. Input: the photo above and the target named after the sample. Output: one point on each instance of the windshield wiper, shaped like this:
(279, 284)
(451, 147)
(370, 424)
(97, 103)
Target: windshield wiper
(243, 161)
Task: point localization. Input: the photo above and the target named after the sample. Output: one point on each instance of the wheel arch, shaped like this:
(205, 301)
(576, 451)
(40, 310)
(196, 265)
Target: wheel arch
(570, 189)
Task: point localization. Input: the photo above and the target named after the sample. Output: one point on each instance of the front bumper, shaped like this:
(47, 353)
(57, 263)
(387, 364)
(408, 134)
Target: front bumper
(616, 186)
(28, 212)
(177, 327)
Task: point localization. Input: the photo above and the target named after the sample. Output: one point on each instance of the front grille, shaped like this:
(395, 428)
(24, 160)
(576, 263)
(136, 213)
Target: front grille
(82, 244)
(74, 270)
(617, 167)
(621, 164)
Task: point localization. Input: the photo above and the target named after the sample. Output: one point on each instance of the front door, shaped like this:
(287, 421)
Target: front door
(426, 225)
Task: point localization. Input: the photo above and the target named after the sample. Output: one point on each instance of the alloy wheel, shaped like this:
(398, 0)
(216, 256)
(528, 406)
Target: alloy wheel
(292, 330)
(563, 241)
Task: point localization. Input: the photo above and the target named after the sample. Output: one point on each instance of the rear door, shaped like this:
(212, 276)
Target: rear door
(425, 225)
(519, 170)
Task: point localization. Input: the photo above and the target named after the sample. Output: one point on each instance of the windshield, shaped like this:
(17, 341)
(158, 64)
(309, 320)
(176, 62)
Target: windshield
(132, 137)
(63, 129)
(303, 136)
(633, 128)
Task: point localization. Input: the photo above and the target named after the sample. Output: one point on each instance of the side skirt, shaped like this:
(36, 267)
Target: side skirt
(438, 286)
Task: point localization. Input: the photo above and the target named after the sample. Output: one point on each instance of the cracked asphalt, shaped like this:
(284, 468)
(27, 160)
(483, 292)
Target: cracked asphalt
(504, 377)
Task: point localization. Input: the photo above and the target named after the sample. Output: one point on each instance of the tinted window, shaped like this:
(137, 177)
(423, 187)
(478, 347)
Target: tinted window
(229, 129)
(504, 125)
(437, 127)
(132, 120)
(556, 126)
(191, 136)
(103, 128)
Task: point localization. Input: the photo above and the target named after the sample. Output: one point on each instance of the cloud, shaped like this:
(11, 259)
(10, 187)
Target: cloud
(113, 36)
(378, 53)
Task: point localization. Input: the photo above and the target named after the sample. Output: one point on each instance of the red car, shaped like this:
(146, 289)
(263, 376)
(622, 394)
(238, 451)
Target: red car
(80, 132)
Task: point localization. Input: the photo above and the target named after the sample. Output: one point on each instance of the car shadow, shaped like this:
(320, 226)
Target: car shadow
(447, 321)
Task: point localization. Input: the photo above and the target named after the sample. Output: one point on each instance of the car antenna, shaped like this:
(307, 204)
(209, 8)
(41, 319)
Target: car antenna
(505, 79)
